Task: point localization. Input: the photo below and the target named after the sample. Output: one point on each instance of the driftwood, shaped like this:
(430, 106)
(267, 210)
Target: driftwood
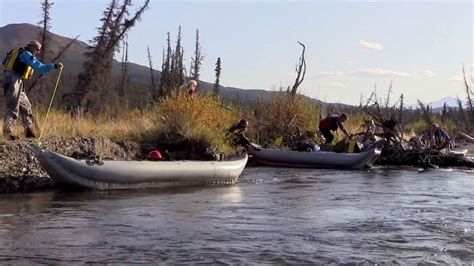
(425, 158)
(464, 137)
(426, 151)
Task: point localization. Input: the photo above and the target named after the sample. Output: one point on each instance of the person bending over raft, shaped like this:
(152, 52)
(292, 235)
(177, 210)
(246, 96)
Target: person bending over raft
(237, 133)
(332, 123)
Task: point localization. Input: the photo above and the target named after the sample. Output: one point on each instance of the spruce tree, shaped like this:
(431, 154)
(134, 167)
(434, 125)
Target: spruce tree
(45, 23)
(165, 86)
(444, 113)
(177, 66)
(92, 83)
(218, 69)
(196, 60)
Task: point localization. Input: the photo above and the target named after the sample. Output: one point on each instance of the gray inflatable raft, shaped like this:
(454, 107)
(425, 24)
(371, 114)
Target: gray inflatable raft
(109, 174)
(319, 159)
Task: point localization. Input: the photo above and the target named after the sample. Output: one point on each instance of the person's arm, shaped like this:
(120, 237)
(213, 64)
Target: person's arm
(341, 126)
(232, 129)
(27, 58)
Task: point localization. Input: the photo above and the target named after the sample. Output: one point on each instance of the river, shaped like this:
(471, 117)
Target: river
(271, 216)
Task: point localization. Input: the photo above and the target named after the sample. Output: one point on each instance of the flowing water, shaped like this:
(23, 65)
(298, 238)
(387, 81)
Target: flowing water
(271, 216)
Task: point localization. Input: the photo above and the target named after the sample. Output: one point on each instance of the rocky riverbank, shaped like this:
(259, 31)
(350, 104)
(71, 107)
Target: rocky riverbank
(21, 172)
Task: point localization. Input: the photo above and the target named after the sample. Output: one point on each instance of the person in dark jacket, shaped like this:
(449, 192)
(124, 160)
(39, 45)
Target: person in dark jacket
(19, 65)
(437, 138)
(332, 123)
(237, 133)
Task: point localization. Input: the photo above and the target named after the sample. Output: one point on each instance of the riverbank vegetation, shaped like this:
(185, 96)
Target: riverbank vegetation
(101, 103)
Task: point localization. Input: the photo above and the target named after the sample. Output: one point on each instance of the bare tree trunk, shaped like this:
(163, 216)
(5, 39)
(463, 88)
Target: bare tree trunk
(45, 23)
(387, 101)
(300, 71)
(468, 90)
(469, 101)
(57, 57)
(124, 76)
(400, 115)
(152, 76)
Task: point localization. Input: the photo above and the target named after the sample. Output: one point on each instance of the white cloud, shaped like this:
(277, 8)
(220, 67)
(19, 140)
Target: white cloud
(331, 84)
(371, 45)
(426, 73)
(329, 79)
(329, 74)
(339, 78)
(378, 72)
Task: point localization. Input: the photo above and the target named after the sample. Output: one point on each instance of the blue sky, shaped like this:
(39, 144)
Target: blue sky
(352, 46)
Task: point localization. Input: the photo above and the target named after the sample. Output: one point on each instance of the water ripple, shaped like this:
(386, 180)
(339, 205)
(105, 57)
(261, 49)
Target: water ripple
(272, 216)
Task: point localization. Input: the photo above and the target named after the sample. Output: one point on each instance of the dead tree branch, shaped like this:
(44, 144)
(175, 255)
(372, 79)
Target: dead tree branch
(468, 90)
(425, 113)
(152, 75)
(300, 71)
(57, 57)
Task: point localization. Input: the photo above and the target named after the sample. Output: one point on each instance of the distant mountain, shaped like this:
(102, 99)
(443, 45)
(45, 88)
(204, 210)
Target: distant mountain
(450, 102)
(16, 35)
(438, 104)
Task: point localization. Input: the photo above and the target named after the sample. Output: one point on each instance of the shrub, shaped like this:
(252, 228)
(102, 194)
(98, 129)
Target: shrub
(280, 111)
(200, 119)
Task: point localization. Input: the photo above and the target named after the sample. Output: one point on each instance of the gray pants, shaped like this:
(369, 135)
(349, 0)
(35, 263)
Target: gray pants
(17, 104)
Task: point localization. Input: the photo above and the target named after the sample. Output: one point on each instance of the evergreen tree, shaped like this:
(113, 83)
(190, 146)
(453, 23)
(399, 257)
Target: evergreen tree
(45, 23)
(41, 83)
(92, 83)
(172, 71)
(444, 113)
(177, 66)
(218, 69)
(196, 61)
(165, 86)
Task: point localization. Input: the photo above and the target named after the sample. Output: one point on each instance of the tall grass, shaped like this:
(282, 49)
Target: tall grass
(124, 124)
(283, 109)
(202, 119)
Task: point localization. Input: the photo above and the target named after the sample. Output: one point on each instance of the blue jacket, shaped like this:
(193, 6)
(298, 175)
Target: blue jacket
(26, 57)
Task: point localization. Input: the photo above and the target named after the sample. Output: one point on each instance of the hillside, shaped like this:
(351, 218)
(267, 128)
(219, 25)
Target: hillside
(14, 35)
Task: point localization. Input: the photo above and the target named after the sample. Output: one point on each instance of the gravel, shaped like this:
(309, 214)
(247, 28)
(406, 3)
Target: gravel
(20, 171)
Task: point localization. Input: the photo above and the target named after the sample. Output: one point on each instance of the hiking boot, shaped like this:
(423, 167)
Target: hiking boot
(29, 134)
